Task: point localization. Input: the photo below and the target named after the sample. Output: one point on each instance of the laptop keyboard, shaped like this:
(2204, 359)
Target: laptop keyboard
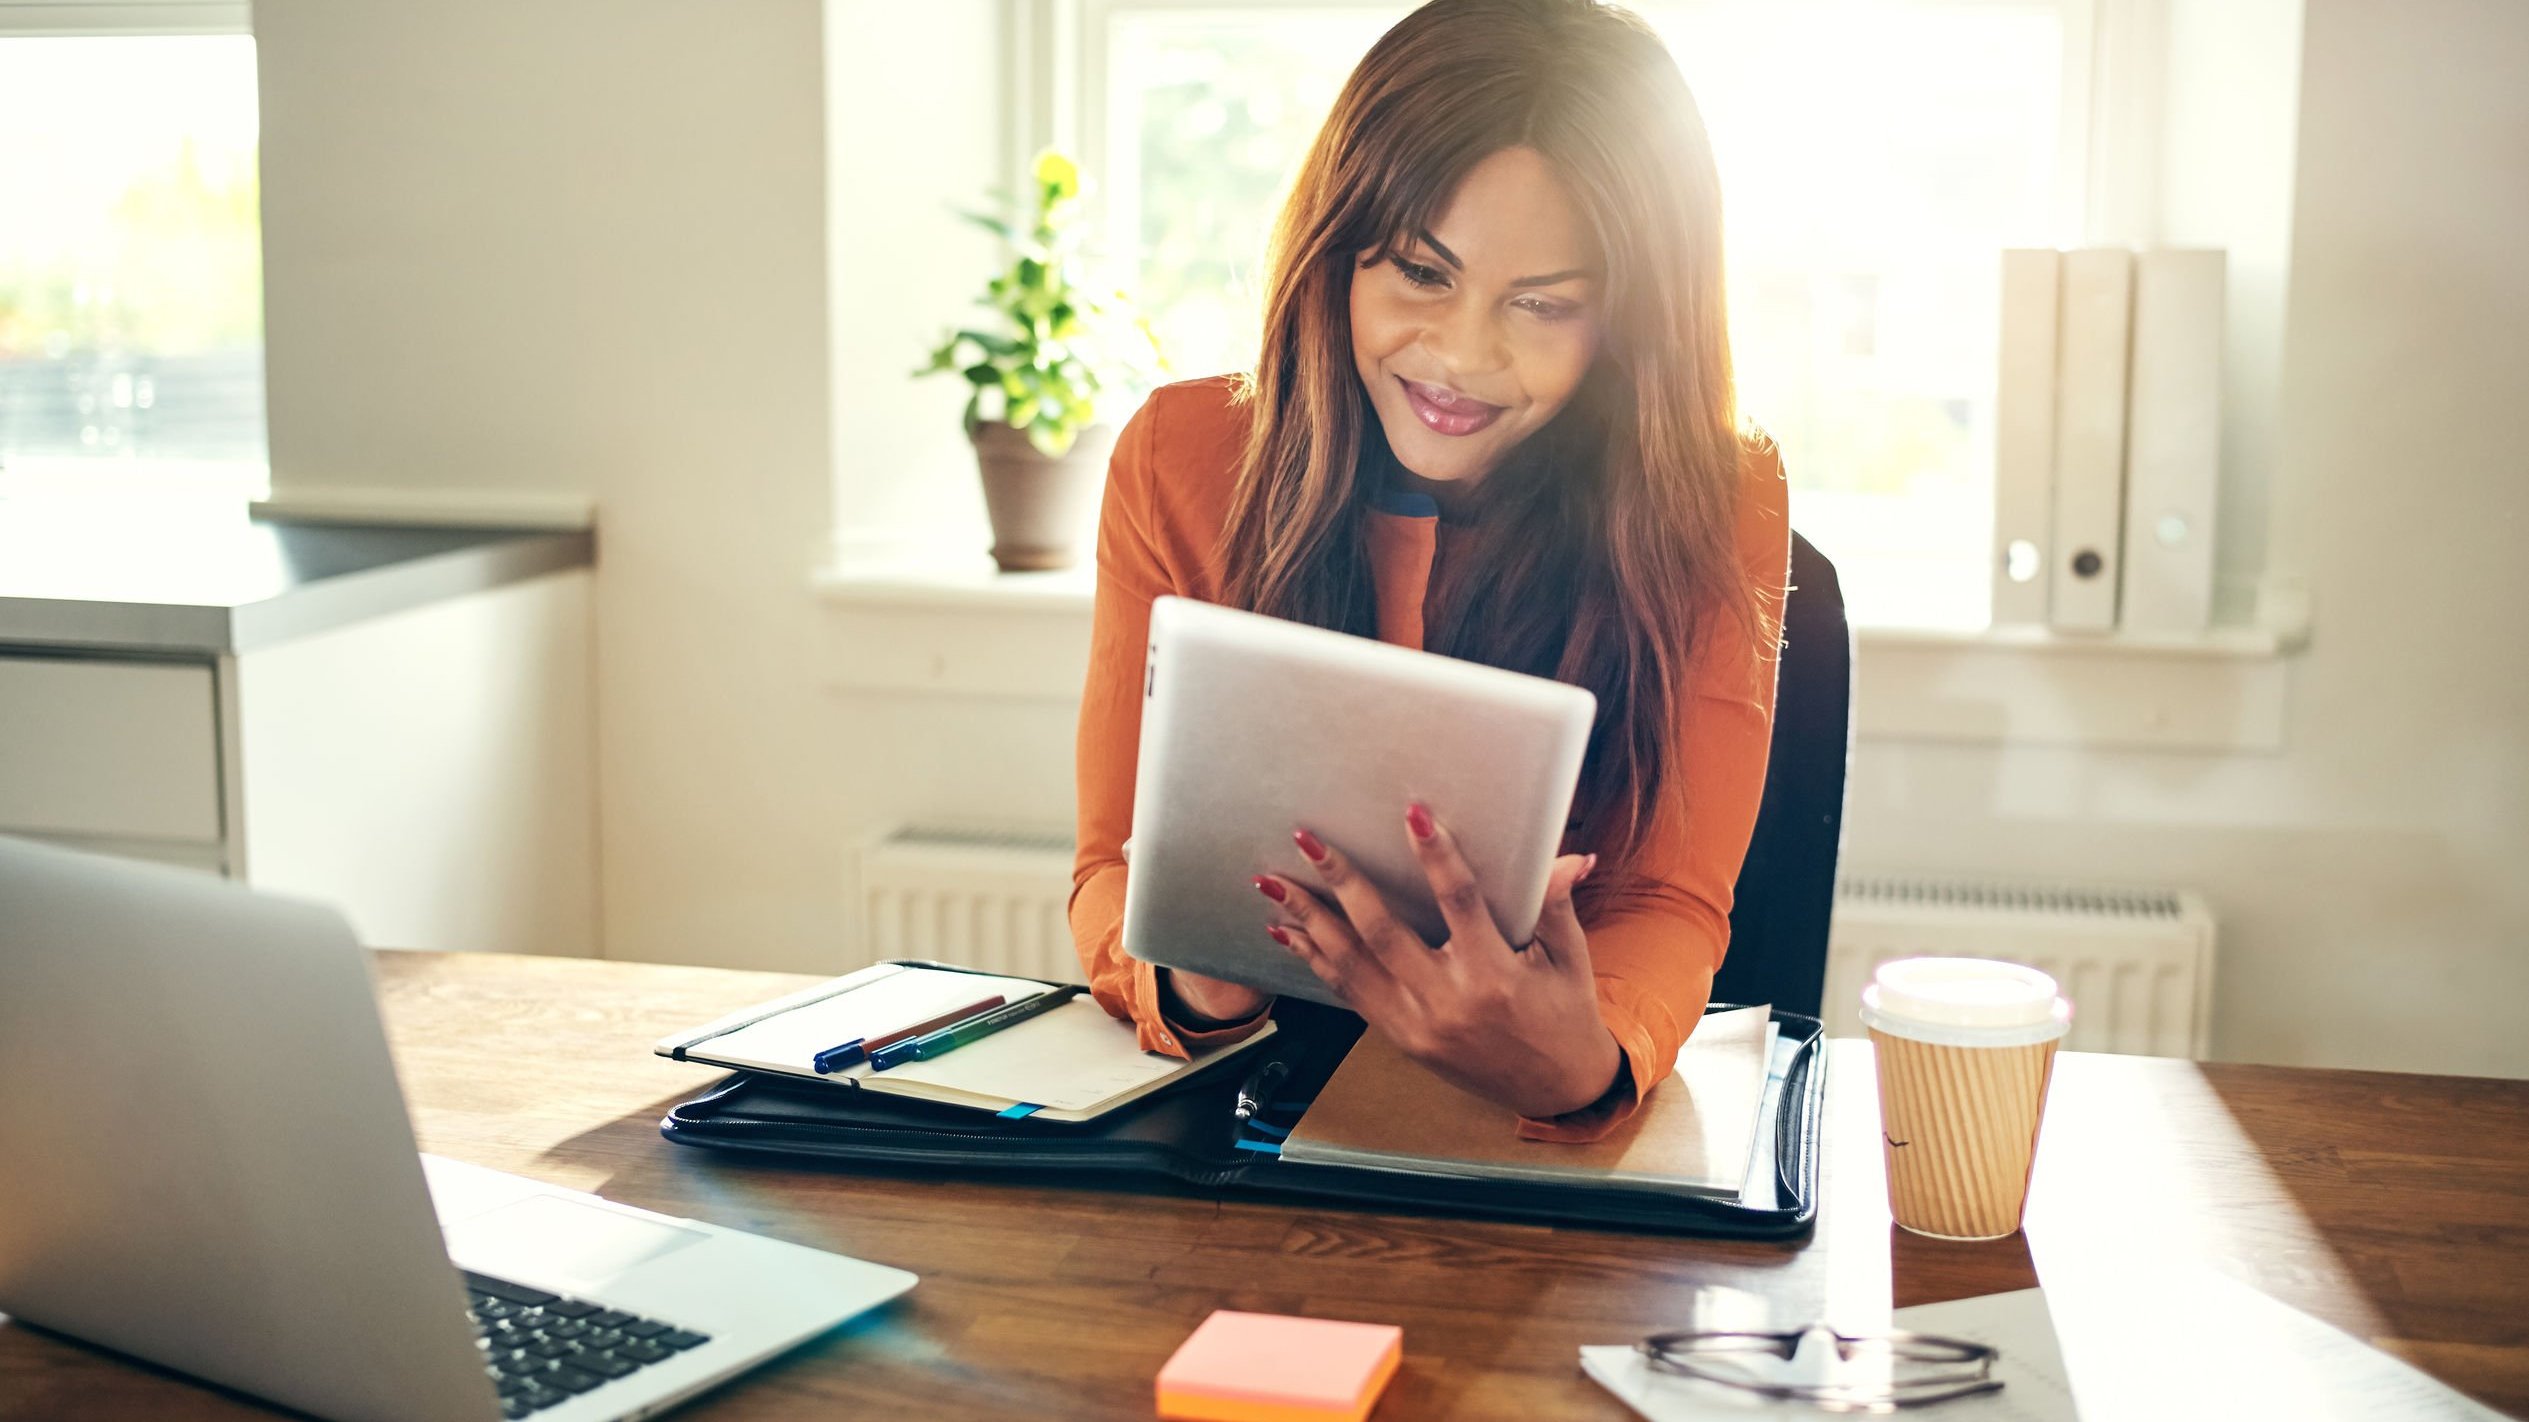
(542, 1349)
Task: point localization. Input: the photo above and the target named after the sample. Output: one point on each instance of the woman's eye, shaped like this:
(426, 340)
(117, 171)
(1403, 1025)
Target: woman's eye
(1549, 310)
(1419, 275)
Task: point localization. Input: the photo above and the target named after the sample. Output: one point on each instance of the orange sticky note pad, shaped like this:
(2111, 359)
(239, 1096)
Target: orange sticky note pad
(1265, 1367)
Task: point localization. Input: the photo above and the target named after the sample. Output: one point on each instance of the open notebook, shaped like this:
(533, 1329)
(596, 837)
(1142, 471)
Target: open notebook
(1072, 1063)
(1695, 1135)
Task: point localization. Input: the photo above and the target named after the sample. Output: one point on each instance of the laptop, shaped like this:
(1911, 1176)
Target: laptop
(1252, 726)
(208, 1165)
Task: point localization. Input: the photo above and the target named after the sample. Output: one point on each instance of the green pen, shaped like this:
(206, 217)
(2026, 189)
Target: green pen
(949, 1039)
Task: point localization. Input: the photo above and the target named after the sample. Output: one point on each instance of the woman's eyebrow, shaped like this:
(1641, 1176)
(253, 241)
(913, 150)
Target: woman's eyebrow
(1451, 258)
(1445, 254)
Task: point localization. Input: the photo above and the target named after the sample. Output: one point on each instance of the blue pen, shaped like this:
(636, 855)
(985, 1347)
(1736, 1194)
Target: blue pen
(834, 1059)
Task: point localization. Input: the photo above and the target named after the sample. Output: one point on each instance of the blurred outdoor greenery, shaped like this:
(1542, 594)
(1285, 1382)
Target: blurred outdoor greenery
(131, 266)
(181, 273)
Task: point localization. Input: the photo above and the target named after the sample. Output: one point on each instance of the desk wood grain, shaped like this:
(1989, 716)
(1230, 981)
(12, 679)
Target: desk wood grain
(2396, 1207)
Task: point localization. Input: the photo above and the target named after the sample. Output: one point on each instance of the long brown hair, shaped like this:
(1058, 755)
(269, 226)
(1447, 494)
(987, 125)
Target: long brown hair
(1600, 547)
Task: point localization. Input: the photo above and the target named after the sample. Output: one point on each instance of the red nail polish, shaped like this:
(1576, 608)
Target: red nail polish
(1309, 845)
(1418, 820)
(1271, 888)
(1275, 932)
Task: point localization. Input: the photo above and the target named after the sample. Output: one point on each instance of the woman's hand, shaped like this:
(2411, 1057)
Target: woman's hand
(1211, 1001)
(1519, 1026)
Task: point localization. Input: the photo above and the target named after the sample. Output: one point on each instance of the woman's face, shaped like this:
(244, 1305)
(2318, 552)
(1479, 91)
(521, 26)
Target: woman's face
(1476, 332)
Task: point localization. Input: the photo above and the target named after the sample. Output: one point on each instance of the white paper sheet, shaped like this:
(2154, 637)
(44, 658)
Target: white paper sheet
(2171, 1343)
(2034, 1389)
(1071, 1059)
(1763, 1188)
(791, 1041)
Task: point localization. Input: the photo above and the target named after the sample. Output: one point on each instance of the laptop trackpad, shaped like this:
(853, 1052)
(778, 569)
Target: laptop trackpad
(556, 1242)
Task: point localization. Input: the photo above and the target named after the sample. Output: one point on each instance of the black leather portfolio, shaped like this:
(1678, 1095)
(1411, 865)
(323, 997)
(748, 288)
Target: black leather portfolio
(1191, 1136)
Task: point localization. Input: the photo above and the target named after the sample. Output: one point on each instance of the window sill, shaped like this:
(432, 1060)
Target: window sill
(2233, 643)
(966, 582)
(2220, 691)
(958, 626)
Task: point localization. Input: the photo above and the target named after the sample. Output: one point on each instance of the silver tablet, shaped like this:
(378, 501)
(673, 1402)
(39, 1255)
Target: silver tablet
(1252, 726)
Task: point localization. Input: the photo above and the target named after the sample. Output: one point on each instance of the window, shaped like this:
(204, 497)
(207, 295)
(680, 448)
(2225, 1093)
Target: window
(1874, 158)
(131, 303)
(1208, 116)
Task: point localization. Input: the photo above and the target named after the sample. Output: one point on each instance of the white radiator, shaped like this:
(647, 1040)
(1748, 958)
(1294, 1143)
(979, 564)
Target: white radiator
(2137, 963)
(990, 899)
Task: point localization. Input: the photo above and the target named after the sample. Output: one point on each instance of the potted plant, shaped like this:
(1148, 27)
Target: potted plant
(1041, 374)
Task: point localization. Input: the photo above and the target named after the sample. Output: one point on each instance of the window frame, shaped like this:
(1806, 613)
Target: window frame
(2109, 127)
(142, 19)
(76, 19)
(1059, 65)
(2218, 695)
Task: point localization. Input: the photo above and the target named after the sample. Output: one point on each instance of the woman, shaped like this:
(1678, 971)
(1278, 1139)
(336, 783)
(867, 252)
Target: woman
(1492, 418)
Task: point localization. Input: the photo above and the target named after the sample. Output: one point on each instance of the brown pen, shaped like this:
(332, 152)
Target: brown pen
(834, 1059)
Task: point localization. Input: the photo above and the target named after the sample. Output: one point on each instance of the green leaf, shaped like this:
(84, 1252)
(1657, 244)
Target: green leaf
(998, 227)
(1057, 339)
(1051, 441)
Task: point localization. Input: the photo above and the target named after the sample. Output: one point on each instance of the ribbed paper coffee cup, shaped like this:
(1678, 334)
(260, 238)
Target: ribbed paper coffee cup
(1966, 1047)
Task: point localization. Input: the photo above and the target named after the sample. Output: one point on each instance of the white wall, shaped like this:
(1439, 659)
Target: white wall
(582, 246)
(915, 127)
(2369, 878)
(429, 772)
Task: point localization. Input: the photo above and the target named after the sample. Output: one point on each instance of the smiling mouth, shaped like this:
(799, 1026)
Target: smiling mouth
(1445, 411)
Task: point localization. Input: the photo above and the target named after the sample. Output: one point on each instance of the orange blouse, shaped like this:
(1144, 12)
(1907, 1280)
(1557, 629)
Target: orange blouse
(1654, 947)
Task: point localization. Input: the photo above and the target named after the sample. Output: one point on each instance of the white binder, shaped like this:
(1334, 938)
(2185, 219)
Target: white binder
(2098, 284)
(2024, 436)
(2173, 441)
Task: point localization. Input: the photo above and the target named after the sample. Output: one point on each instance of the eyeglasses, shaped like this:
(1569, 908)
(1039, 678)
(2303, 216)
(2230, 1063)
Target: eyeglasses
(1868, 1372)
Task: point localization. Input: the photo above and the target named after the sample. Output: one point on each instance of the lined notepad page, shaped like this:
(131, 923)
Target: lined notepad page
(1074, 1059)
(1073, 1062)
(790, 1041)
(1693, 1135)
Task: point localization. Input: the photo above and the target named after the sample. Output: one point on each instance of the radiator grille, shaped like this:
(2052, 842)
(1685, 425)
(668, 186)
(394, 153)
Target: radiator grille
(2137, 963)
(1050, 843)
(1970, 895)
(994, 899)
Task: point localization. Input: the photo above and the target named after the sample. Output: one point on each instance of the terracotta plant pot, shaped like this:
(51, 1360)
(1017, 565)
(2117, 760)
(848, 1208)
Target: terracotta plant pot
(1042, 508)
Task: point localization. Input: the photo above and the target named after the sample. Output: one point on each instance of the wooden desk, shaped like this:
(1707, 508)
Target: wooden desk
(2396, 1207)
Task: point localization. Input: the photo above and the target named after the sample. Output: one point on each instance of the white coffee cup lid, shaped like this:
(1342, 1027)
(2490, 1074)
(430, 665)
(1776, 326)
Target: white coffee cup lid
(1967, 1002)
